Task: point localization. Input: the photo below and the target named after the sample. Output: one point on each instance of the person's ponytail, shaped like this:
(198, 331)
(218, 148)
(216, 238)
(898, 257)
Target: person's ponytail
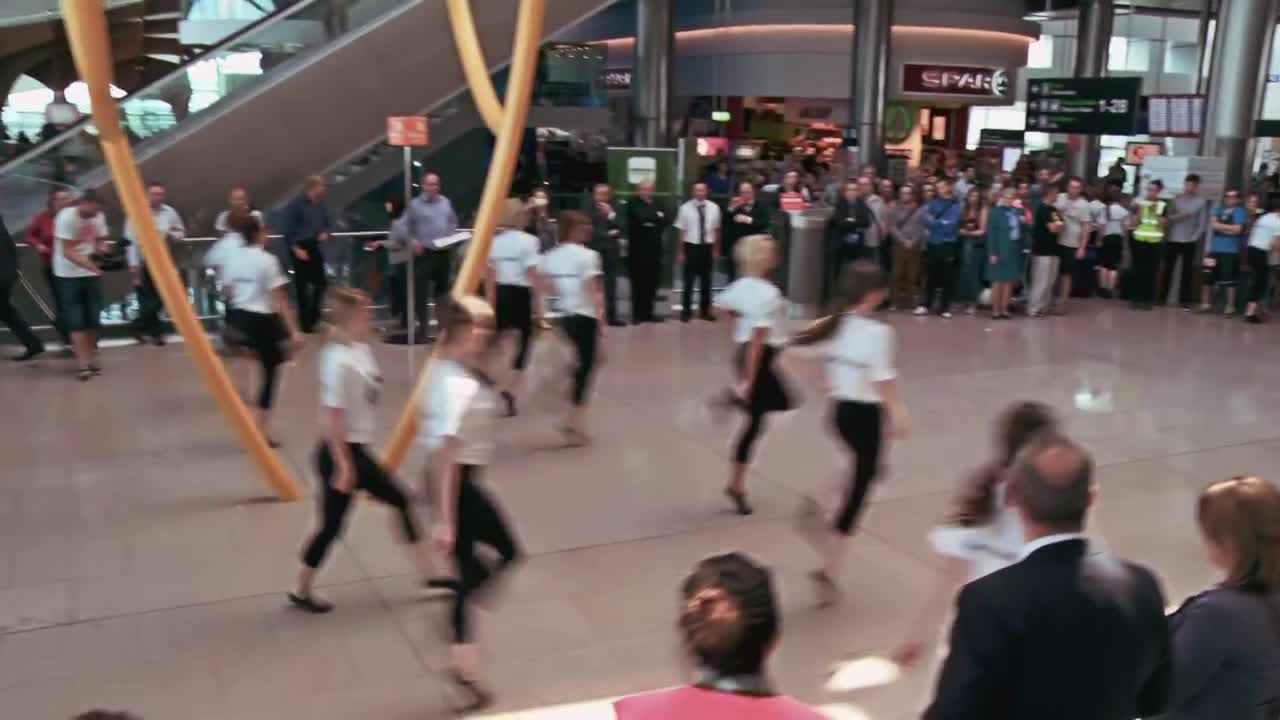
(820, 330)
(860, 279)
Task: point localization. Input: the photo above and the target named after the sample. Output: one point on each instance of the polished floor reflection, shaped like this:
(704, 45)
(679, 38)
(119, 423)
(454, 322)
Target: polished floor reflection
(140, 567)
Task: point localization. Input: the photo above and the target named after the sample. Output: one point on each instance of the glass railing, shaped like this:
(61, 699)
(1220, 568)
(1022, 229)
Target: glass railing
(234, 69)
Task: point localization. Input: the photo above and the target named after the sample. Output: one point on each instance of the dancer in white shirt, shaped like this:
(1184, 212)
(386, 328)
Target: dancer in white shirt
(982, 534)
(861, 377)
(260, 319)
(759, 318)
(511, 287)
(573, 273)
(350, 387)
(457, 423)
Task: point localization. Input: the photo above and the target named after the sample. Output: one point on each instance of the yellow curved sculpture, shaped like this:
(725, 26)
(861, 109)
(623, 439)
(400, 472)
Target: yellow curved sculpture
(473, 65)
(87, 33)
(510, 132)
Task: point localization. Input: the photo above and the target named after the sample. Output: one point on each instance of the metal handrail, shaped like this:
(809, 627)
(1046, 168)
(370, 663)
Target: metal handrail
(87, 120)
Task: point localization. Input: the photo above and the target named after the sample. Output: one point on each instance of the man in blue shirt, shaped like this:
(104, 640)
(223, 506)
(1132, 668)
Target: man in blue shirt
(1222, 252)
(941, 251)
(431, 222)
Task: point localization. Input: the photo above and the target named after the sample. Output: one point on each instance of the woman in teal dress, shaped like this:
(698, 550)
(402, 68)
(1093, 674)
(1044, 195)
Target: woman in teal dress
(1006, 237)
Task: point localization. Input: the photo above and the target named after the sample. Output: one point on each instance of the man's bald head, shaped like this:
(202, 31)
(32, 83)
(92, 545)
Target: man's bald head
(1052, 482)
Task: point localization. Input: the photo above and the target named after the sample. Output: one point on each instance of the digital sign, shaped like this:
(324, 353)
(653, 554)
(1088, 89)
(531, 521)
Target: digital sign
(962, 80)
(1175, 115)
(1083, 106)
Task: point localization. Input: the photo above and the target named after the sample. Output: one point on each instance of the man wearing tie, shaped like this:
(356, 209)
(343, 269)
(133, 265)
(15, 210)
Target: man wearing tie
(746, 217)
(646, 222)
(1065, 633)
(604, 240)
(699, 225)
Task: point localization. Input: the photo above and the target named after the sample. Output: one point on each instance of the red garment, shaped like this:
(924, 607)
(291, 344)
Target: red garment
(791, 200)
(40, 236)
(694, 703)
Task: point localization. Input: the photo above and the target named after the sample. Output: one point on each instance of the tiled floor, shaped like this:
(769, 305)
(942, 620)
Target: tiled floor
(141, 568)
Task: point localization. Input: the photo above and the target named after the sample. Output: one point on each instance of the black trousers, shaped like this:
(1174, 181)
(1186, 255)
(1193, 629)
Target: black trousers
(1173, 251)
(645, 266)
(311, 282)
(262, 334)
(370, 477)
(479, 522)
(431, 273)
(697, 267)
(59, 324)
(514, 311)
(10, 316)
(149, 307)
(609, 265)
(860, 426)
(584, 333)
(1259, 272)
(941, 262)
(1142, 272)
(399, 290)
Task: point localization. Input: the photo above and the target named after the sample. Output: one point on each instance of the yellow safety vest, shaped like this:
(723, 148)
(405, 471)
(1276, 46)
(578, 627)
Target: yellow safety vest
(1148, 228)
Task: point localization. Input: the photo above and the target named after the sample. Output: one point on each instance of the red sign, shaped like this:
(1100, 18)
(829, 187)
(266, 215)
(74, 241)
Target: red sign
(791, 201)
(410, 130)
(961, 80)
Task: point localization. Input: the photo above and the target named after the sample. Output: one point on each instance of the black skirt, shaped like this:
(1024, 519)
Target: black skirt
(769, 391)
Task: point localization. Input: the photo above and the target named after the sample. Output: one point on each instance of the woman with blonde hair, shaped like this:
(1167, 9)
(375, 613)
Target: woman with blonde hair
(350, 386)
(511, 289)
(457, 422)
(1226, 640)
(759, 333)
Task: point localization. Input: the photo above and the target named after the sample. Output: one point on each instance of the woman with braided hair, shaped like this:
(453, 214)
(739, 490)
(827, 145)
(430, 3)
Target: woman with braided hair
(729, 624)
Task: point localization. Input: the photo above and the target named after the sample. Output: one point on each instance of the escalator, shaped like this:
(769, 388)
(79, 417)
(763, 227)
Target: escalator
(304, 91)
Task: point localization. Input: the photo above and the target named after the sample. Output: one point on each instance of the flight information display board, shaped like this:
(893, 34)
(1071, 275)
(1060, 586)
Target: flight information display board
(1175, 115)
(1083, 106)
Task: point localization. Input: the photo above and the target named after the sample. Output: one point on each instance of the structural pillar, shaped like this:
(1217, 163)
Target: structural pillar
(1093, 40)
(655, 46)
(1241, 57)
(872, 20)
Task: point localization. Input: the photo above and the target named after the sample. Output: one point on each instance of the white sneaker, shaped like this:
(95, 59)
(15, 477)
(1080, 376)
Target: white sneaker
(921, 310)
(946, 316)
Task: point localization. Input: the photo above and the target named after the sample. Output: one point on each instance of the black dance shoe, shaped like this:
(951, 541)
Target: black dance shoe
(310, 603)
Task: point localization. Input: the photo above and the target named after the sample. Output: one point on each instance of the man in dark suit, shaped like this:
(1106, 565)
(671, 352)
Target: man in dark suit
(604, 240)
(647, 221)
(9, 314)
(746, 216)
(1065, 633)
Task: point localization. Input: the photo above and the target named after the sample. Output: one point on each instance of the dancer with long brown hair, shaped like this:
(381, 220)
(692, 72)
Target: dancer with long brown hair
(861, 377)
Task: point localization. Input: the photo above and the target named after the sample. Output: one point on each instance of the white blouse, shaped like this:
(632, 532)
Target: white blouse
(756, 303)
(457, 404)
(569, 267)
(991, 546)
(860, 355)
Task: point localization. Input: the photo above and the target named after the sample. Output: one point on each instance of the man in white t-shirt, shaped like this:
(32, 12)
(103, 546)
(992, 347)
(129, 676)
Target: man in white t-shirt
(1264, 239)
(698, 221)
(79, 232)
(171, 230)
(1077, 217)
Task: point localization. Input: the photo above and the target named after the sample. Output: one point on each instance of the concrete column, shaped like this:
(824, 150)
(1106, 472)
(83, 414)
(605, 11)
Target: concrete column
(655, 48)
(1093, 40)
(872, 20)
(1241, 56)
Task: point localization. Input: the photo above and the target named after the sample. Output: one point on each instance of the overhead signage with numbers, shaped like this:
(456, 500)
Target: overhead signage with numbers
(1083, 106)
(1175, 115)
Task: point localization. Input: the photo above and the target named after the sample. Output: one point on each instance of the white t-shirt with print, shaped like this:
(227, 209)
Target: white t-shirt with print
(82, 234)
(457, 404)
(217, 256)
(860, 354)
(252, 274)
(350, 381)
(513, 253)
(755, 303)
(569, 266)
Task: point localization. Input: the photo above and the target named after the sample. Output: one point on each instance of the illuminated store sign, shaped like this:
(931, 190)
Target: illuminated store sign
(961, 80)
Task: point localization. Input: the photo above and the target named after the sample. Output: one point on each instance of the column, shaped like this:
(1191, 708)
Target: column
(1093, 40)
(655, 44)
(1241, 56)
(871, 22)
